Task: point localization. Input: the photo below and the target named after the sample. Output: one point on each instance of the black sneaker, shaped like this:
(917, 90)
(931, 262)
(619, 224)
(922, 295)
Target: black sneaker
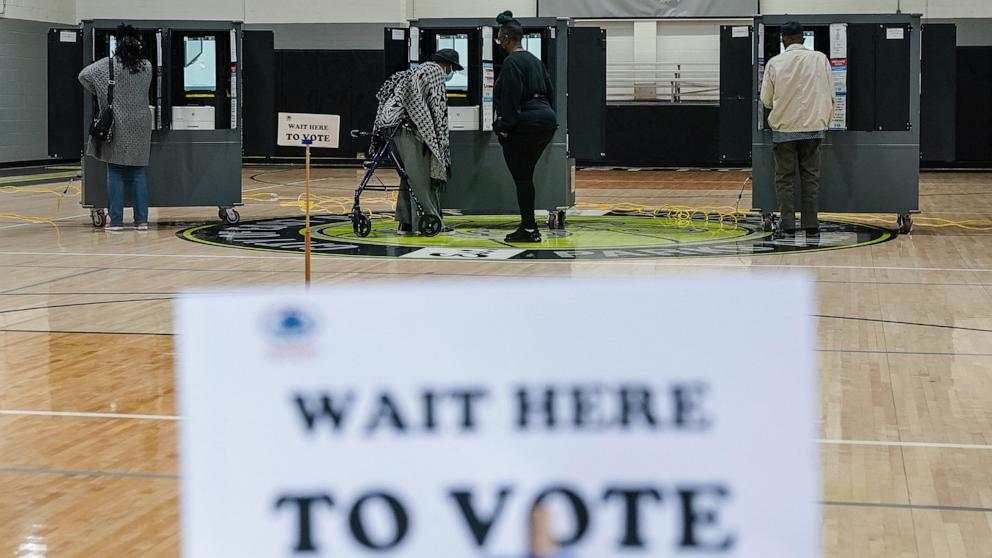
(782, 234)
(404, 229)
(523, 235)
(812, 232)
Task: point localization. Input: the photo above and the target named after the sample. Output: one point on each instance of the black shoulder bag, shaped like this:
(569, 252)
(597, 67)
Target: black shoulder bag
(102, 129)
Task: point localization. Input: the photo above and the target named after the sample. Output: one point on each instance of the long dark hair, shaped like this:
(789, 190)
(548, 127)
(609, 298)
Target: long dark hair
(129, 49)
(510, 27)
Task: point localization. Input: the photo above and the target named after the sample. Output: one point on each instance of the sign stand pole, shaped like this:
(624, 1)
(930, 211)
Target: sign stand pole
(306, 230)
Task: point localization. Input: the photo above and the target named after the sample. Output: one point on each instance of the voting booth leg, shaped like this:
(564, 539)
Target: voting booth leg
(306, 229)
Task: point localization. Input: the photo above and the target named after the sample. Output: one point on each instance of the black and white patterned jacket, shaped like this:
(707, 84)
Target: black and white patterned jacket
(419, 97)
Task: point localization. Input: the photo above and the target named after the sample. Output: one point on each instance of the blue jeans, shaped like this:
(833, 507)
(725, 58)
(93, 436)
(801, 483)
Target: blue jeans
(134, 177)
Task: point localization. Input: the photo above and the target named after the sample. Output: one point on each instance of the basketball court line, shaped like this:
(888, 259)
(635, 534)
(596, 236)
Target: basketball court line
(175, 418)
(5, 227)
(72, 414)
(672, 262)
(907, 506)
(75, 473)
(931, 445)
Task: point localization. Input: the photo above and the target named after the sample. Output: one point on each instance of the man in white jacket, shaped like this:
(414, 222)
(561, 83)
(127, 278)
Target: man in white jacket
(798, 88)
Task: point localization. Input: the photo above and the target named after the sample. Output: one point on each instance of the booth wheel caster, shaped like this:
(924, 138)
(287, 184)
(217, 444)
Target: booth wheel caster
(361, 224)
(556, 220)
(767, 225)
(229, 216)
(99, 218)
(905, 223)
(430, 225)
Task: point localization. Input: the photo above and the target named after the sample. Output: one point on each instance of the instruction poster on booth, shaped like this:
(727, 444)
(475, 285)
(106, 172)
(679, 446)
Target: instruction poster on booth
(312, 426)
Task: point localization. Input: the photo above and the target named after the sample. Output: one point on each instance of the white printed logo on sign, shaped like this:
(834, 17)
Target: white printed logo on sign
(290, 331)
(420, 442)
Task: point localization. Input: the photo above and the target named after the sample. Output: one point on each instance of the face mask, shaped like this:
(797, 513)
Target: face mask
(449, 76)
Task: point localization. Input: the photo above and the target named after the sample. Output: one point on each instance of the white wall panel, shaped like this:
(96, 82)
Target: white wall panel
(52, 11)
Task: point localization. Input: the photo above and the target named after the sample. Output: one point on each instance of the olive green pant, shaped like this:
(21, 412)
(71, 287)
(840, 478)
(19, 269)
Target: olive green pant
(416, 158)
(804, 155)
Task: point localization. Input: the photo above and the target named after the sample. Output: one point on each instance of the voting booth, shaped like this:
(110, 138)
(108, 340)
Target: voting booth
(576, 60)
(871, 155)
(194, 101)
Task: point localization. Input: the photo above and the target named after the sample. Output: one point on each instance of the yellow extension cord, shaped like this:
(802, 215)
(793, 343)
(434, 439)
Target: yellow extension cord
(59, 193)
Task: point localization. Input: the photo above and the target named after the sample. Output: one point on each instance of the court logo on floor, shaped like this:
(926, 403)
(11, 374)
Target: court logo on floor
(478, 238)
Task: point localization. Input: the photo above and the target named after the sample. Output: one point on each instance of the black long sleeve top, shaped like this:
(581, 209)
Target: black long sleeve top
(523, 94)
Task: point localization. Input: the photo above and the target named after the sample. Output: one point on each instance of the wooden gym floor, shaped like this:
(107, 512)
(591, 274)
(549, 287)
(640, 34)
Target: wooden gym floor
(87, 408)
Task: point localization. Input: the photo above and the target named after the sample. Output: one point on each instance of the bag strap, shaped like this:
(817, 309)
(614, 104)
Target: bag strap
(111, 84)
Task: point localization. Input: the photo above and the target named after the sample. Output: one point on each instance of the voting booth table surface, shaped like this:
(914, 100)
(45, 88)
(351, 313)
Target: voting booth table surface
(871, 155)
(301, 436)
(195, 104)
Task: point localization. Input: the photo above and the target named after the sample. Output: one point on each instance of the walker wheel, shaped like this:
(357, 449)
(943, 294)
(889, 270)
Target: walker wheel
(229, 216)
(361, 224)
(553, 222)
(766, 223)
(562, 218)
(99, 218)
(430, 225)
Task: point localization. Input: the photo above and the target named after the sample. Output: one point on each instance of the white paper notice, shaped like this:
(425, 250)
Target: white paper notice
(740, 32)
(414, 44)
(487, 44)
(399, 35)
(315, 425)
(839, 120)
(67, 37)
(895, 33)
(838, 40)
(839, 73)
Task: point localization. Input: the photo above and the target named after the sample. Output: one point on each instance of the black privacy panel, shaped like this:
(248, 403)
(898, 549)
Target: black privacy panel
(892, 79)
(65, 94)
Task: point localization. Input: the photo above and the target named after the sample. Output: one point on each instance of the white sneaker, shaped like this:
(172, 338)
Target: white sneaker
(114, 228)
(141, 226)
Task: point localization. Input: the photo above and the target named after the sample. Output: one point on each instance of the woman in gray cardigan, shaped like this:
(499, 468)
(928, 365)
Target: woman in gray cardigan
(126, 154)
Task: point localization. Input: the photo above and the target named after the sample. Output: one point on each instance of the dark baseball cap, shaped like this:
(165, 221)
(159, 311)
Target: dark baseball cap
(792, 29)
(450, 56)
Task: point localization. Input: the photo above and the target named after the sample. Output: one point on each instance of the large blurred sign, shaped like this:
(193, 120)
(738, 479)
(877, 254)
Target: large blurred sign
(426, 420)
(648, 8)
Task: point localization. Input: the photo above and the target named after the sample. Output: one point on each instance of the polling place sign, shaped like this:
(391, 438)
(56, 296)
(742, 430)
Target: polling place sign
(297, 129)
(415, 420)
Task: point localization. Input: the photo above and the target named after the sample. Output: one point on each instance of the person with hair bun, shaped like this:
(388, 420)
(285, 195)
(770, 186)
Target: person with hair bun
(526, 120)
(128, 150)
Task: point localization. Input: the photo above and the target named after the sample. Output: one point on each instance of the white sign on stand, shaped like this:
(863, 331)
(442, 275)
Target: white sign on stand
(643, 420)
(295, 129)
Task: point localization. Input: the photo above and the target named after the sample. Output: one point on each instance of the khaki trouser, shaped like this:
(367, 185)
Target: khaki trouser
(416, 159)
(804, 154)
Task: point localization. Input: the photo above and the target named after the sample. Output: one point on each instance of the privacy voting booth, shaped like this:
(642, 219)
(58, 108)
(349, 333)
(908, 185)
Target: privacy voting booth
(576, 59)
(194, 100)
(871, 155)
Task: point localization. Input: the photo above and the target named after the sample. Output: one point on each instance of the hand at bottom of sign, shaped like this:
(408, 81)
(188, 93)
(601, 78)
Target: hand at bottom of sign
(542, 542)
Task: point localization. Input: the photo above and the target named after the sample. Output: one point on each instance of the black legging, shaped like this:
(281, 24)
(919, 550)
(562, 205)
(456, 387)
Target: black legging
(522, 150)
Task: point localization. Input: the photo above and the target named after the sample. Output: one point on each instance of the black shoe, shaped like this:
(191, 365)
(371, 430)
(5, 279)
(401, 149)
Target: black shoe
(813, 232)
(522, 235)
(782, 234)
(404, 229)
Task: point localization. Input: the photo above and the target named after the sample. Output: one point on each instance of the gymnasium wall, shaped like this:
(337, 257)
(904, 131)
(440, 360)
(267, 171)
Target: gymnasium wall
(23, 90)
(53, 11)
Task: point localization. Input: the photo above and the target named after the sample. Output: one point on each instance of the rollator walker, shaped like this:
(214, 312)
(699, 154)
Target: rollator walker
(384, 151)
